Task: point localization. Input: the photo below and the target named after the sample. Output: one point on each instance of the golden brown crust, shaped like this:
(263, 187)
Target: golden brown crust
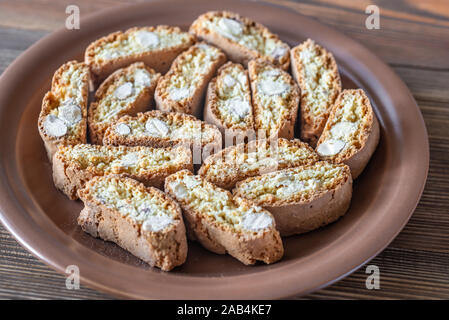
(285, 125)
(304, 212)
(53, 99)
(227, 167)
(142, 102)
(69, 176)
(234, 50)
(363, 145)
(160, 59)
(246, 246)
(231, 132)
(313, 124)
(193, 103)
(207, 144)
(359, 160)
(164, 249)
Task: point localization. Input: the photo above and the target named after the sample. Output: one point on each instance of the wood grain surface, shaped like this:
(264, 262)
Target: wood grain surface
(413, 39)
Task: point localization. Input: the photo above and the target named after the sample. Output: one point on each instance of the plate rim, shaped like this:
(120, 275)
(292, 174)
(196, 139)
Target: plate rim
(12, 222)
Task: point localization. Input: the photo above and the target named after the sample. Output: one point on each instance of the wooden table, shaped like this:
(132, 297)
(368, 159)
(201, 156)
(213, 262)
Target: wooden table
(413, 38)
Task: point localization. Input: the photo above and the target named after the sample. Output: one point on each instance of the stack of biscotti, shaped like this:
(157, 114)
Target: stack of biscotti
(74, 165)
(286, 178)
(261, 106)
(133, 167)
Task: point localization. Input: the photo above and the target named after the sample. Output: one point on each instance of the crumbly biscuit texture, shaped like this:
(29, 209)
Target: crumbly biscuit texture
(63, 115)
(183, 88)
(223, 223)
(142, 220)
(156, 46)
(242, 161)
(275, 100)
(315, 70)
(351, 133)
(228, 101)
(303, 198)
(127, 91)
(241, 38)
(293, 184)
(161, 129)
(74, 165)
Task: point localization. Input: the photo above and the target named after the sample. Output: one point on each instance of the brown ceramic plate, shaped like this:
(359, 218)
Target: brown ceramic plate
(43, 220)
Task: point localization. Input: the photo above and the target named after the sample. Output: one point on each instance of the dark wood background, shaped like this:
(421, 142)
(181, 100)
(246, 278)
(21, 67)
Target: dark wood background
(413, 39)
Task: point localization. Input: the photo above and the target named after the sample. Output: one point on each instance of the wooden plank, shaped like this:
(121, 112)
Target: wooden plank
(38, 14)
(425, 84)
(43, 15)
(19, 40)
(14, 42)
(24, 277)
(421, 41)
(429, 225)
(399, 28)
(404, 274)
(434, 12)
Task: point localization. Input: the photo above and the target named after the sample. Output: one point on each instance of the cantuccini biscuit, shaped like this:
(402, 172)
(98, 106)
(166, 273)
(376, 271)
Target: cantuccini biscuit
(222, 223)
(275, 100)
(241, 38)
(303, 198)
(164, 129)
(228, 103)
(315, 70)
(242, 161)
(157, 47)
(142, 220)
(351, 134)
(183, 87)
(125, 92)
(63, 116)
(74, 165)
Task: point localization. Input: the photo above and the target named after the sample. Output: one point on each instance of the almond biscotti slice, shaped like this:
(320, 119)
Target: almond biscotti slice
(74, 165)
(242, 161)
(301, 199)
(316, 72)
(351, 134)
(183, 87)
(275, 100)
(160, 129)
(222, 223)
(63, 116)
(142, 220)
(125, 92)
(228, 103)
(157, 47)
(241, 38)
